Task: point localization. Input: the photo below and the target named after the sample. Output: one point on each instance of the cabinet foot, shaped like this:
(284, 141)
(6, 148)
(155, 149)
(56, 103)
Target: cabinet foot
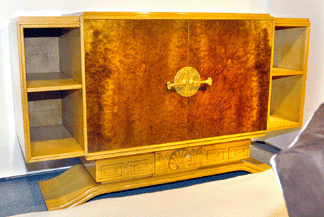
(76, 186)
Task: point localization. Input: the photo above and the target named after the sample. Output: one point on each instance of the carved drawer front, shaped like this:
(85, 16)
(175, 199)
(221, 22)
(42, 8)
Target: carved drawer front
(239, 152)
(117, 169)
(201, 156)
(225, 152)
(214, 154)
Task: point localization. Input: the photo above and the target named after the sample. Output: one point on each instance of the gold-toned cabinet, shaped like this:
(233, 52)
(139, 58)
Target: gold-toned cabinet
(103, 87)
(289, 73)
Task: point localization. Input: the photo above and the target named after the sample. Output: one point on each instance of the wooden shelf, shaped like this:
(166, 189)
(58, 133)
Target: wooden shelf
(38, 82)
(278, 123)
(285, 72)
(53, 142)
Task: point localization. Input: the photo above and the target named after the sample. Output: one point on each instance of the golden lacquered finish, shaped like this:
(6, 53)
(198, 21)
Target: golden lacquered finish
(76, 185)
(116, 112)
(187, 82)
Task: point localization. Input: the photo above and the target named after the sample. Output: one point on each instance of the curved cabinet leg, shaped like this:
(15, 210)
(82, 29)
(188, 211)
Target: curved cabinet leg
(76, 186)
(73, 187)
(254, 166)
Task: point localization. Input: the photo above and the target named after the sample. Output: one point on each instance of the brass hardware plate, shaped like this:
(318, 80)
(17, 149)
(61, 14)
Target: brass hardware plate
(187, 82)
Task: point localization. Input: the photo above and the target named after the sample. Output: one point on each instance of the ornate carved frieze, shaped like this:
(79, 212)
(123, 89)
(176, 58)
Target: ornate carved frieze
(177, 160)
(201, 156)
(169, 161)
(125, 168)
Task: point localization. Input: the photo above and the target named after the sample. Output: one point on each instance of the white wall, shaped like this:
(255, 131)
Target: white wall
(314, 10)
(6, 117)
(11, 161)
(10, 8)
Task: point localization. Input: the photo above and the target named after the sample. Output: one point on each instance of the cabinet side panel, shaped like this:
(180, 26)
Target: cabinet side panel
(127, 66)
(70, 54)
(237, 56)
(72, 115)
(15, 67)
(70, 65)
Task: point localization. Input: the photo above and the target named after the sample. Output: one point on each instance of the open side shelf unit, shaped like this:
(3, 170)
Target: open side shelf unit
(51, 81)
(289, 73)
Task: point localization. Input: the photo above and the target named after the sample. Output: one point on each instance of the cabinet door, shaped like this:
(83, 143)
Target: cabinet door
(127, 65)
(236, 54)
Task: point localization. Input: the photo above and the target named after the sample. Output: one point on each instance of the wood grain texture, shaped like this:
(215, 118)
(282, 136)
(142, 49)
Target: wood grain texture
(127, 65)
(237, 56)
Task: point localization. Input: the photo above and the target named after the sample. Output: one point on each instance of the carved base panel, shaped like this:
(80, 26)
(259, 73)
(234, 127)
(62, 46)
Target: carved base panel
(76, 185)
(167, 162)
(192, 158)
(92, 178)
(121, 168)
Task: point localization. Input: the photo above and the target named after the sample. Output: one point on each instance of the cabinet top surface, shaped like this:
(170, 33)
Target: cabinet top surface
(292, 22)
(171, 15)
(49, 19)
(75, 18)
(143, 15)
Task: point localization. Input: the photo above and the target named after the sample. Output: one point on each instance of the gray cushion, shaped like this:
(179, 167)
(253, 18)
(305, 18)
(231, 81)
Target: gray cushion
(300, 169)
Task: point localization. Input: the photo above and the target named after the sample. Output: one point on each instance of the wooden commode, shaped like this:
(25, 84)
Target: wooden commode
(150, 98)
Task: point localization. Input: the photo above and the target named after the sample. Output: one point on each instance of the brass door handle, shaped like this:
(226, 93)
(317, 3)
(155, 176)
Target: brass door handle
(209, 81)
(187, 82)
(170, 85)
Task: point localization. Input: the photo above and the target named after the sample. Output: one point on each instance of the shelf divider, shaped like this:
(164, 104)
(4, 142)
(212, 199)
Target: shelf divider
(279, 123)
(53, 142)
(38, 82)
(276, 71)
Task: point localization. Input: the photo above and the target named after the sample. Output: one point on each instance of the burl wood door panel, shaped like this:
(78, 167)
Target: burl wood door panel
(236, 54)
(127, 65)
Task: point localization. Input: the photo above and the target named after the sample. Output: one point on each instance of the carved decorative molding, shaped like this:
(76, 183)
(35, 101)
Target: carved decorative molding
(201, 156)
(170, 161)
(125, 168)
(180, 159)
(177, 160)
